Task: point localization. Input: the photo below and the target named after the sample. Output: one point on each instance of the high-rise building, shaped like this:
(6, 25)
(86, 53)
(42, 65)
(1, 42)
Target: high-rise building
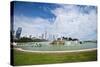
(18, 32)
(45, 34)
(42, 36)
(30, 36)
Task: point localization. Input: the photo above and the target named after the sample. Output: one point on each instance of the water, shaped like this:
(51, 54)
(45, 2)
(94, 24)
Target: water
(46, 46)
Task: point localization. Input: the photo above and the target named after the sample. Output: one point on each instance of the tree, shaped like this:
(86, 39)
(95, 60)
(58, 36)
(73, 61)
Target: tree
(70, 39)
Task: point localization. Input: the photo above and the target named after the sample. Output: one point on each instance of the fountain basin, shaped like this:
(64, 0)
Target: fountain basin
(46, 46)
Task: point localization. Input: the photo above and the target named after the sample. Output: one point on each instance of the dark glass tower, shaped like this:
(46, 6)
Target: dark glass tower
(18, 32)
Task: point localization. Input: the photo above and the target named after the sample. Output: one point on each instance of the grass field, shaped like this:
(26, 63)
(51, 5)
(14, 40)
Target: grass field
(28, 58)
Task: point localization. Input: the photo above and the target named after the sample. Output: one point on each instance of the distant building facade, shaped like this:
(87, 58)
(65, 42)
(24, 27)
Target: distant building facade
(18, 32)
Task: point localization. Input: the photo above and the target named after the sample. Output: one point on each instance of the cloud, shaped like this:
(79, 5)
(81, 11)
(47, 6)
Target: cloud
(71, 21)
(30, 26)
(75, 23)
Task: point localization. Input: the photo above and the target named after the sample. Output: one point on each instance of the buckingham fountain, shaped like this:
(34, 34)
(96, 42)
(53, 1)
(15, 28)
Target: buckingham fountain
(57, 45)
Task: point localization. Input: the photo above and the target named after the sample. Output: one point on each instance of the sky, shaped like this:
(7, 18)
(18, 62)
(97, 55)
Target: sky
(69, 20)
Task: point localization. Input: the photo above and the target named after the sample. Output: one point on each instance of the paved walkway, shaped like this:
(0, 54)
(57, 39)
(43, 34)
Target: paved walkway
(56, 51)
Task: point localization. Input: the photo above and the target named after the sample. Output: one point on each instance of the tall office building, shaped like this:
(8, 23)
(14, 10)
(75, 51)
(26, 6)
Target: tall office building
(45, 35)
(30, 36)
(42, 36)
(18, 32)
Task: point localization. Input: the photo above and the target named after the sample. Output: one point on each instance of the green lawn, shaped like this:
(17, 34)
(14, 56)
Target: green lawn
(28, 58)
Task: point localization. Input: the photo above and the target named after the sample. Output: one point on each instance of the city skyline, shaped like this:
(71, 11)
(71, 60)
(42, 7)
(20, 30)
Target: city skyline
(76, 21)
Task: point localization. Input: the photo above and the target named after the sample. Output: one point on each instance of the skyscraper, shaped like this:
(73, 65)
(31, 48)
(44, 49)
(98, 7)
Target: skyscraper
(18, 32)
(42, 36)
(45, 34)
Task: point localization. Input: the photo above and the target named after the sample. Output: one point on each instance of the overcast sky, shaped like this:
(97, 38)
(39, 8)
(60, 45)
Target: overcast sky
(76, 21)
